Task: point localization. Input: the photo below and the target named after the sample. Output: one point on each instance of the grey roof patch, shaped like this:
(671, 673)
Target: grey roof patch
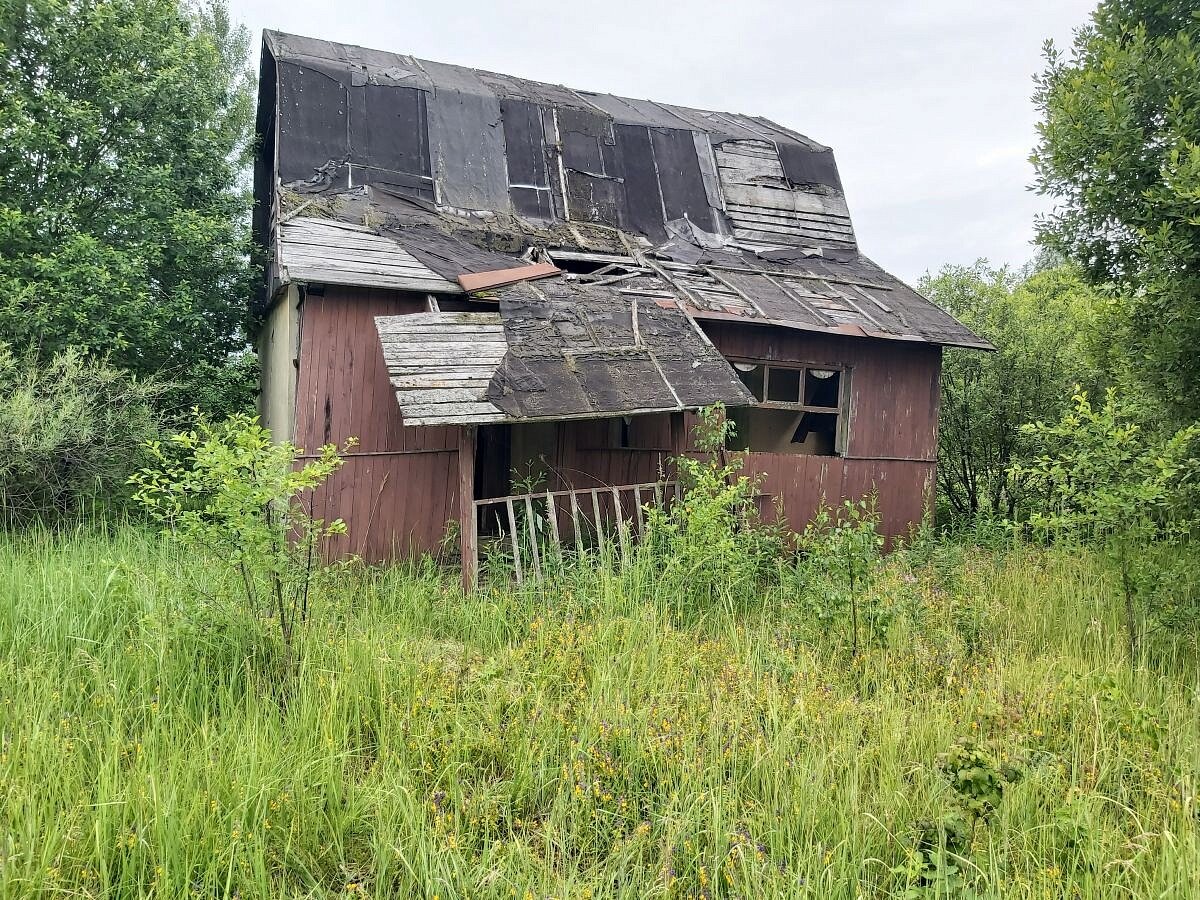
(441, 365)
(459, 171)
(332, 252)
(579, 351)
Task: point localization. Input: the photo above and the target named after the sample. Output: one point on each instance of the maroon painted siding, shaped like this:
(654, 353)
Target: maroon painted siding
(892, 447)
(398, 488)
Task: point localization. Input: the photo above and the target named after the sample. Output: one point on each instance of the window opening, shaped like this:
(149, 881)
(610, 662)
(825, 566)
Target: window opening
(802, 409)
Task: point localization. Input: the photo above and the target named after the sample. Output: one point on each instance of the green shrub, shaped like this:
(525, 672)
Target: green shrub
(712, 543)
(1104, 479)
(71, 432)
(839, 553)
(228, 491)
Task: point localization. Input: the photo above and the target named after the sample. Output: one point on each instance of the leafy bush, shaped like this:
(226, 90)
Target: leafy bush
(228, 490)
(71, 432)
(1104, 479)
(712, 543)
(838, 554)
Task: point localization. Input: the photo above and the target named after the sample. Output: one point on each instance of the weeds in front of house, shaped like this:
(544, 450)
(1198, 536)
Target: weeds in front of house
(593, 736)
(730, 712)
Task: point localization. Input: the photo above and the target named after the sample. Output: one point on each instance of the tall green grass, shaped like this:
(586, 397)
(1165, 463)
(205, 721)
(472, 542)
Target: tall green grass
(592, 738)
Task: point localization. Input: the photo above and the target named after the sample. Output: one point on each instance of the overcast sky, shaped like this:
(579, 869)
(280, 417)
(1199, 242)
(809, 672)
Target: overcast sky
(925, 102)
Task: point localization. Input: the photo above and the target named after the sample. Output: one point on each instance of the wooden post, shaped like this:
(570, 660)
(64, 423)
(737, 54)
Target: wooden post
(552, 513)
(534, 553)
(468, 519)
(515, 537)
(622, 527)
(575, 523)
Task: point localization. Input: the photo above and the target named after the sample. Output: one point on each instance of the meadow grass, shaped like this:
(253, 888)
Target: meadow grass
(595, 737)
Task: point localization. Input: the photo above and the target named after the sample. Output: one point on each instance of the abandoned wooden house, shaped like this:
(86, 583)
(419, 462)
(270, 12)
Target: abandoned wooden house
(503, 287)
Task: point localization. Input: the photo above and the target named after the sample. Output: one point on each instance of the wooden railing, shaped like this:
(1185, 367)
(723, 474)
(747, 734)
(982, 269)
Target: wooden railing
(537, 525)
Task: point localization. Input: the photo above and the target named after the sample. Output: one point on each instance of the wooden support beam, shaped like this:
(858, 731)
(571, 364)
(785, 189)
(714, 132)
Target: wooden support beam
(468, 516)
(534, 553)
(516, 542)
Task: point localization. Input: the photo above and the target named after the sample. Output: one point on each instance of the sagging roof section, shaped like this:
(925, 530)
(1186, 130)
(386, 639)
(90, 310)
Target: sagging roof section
(635, 218)
(442, 364)
(584, 351)
(567, 352)
(333, 252)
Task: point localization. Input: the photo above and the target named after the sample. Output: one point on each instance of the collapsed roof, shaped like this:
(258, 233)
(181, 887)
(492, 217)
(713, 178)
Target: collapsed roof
(380, 169)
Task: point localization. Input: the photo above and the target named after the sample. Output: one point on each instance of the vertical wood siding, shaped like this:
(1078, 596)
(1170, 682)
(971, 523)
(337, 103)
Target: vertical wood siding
(892, 448)
(398, 487)
(893, 430)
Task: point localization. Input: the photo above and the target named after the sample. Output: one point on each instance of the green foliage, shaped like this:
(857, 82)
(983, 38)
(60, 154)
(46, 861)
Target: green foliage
(976, 778)
(220, 389)
(583, 742)
(1050, 331)
(123, 210)
(1101, 477)
(71, 432)
(837, 555)
(229, 490)
(711, 543)
(1120, 150)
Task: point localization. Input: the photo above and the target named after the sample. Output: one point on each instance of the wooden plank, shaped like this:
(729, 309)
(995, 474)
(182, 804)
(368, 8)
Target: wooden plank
(637, 501)
(398, 324)
(443, 318)
(421, 363)
(310, 244)
(401, 346)
(598, 522)
(622, 527)
(467, 514)
(516, 544)
(325, 237)
(364, 261)
(787, 230)
(434, 380)
(552, 517)
(425, 421)
(775, 238)
(319, 222)
(386, 253)
(575, 522)
(578, 256)
(534, 552)
(414, 324)
(454, 408)
(440, 395)
(823, 216)
(362, 279)
(479, 334)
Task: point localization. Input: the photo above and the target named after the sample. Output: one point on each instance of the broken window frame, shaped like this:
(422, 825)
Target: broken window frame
(842, 410)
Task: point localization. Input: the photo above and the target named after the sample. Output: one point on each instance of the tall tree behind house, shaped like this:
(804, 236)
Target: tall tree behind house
(126, 131)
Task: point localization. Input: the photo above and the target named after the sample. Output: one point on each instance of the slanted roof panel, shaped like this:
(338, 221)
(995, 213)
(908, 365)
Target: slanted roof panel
(331, 252)
(441, 364)
(461, 171)
(580, 351)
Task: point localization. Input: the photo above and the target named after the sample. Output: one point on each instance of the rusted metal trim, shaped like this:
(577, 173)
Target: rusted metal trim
(481, 281)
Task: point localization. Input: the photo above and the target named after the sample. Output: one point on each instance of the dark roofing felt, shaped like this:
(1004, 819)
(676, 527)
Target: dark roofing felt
(727, 215)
